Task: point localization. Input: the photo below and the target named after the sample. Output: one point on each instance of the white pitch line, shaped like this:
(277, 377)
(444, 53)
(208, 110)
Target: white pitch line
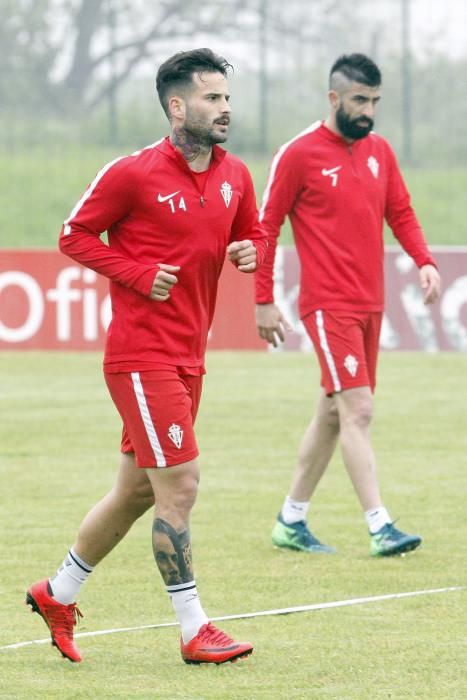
(260, 613)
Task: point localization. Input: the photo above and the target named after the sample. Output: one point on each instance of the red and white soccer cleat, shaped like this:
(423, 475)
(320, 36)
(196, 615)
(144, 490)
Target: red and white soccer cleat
(60, 619)
(212, 646)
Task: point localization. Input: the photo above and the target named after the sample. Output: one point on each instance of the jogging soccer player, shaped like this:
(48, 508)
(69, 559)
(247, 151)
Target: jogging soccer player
(338, 181)
(173, 211)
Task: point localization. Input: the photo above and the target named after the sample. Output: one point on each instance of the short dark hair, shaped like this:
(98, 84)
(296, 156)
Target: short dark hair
(177, 72)
(357, 68)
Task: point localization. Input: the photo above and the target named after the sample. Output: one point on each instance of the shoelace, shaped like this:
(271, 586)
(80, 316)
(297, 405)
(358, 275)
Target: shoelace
(393, 530)
(64, 620)
(210, 633)
(305, 533)
(391, 533)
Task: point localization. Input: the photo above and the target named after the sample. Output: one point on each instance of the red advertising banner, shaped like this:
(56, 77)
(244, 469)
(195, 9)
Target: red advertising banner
(49, 302)
(407, 324)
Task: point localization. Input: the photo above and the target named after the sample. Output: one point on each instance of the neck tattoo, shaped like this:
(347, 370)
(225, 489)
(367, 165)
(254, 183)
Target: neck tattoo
(188, 145)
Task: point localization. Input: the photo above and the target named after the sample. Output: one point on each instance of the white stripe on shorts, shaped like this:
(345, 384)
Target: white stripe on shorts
(323, 341)
(148, 424)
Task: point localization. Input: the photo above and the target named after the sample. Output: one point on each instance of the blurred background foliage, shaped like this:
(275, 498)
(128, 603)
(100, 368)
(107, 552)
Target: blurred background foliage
(82, 71)
(77, 87)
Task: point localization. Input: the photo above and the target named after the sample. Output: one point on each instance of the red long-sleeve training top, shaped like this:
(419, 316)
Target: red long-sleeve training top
(337, 197)
(156, 210)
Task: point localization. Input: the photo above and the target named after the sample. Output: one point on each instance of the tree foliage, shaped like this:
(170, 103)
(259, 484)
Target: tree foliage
(62, 63)
(67, 56)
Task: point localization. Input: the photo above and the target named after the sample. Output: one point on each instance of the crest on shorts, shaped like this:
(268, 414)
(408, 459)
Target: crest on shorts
(351, 365)
(176, 435)
(226, 192)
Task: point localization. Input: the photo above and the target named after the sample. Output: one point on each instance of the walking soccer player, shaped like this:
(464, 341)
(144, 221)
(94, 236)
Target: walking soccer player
(173, 211)
(338, 181)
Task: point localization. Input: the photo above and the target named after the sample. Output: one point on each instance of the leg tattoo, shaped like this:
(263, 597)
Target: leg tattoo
(172, 552)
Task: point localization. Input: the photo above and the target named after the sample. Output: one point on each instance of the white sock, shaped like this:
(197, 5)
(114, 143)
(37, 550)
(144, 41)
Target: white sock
(188, 610)
(376, 518)
(69, 578)
(294, 511)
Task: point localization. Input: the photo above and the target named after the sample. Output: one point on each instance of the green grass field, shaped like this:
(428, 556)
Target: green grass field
(38, 189)
(59, 444)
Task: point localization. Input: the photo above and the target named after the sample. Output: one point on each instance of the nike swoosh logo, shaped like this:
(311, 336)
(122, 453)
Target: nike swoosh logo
(219, 650)
(331, 171)
(160, 198)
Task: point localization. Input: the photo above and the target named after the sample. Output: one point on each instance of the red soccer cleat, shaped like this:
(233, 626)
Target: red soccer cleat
(60, 619)
(212, 646)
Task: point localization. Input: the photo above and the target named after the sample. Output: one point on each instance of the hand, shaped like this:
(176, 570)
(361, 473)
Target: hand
(243, 253)
(163, 282)
(271, 323)
(430, 282)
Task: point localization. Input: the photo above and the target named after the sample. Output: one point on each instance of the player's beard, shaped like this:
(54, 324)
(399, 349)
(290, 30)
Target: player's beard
(199, 131)
(349, 127)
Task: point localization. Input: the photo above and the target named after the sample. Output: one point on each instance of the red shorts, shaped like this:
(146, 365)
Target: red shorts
(346, 343)
(158, 409)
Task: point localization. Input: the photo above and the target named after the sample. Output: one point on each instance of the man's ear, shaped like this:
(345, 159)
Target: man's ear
(333, 99)
(176, 107)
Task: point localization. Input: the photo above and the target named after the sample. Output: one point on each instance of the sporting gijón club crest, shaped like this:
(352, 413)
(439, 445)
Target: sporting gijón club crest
(226, 192)
(176, 435)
